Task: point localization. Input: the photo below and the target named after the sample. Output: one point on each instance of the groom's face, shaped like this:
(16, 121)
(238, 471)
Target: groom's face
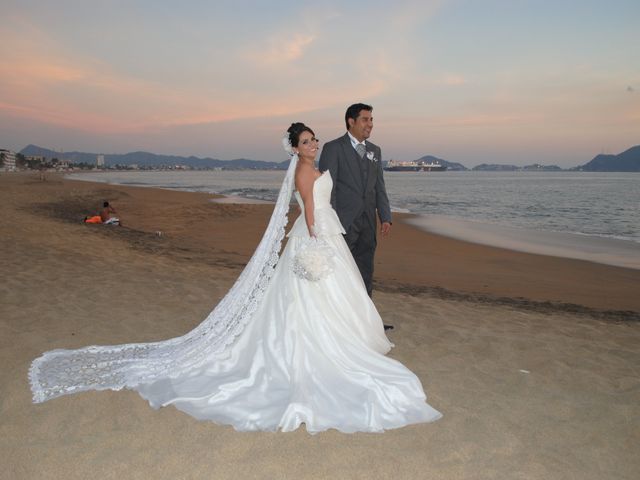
(361, 126)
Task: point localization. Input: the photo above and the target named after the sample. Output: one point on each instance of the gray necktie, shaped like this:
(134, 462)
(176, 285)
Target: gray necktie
(361, 150)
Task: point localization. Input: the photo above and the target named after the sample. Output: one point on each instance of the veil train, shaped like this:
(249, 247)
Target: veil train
(62, 372)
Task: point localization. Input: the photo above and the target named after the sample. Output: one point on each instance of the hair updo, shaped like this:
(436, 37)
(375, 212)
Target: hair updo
(295, 130)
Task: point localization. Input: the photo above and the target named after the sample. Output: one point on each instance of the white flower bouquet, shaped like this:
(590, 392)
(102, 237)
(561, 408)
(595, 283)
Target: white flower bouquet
(314, 260)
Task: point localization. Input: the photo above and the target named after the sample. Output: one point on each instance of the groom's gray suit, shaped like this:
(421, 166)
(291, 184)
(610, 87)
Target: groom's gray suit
(358, 191)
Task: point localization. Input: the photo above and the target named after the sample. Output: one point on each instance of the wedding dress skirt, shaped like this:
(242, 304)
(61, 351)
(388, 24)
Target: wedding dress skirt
(312, 352)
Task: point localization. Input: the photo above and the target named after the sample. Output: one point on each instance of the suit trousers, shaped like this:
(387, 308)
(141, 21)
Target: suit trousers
(361, 239)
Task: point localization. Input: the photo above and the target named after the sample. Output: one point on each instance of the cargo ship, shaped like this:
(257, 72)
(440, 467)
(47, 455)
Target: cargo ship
(414, 166)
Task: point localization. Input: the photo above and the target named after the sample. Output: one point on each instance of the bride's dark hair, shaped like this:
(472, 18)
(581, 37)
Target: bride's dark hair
(295, 130)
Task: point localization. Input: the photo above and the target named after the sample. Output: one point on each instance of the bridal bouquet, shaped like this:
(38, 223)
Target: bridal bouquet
(314, 260)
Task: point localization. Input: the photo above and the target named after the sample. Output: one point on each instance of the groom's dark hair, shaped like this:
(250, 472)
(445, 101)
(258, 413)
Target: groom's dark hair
(354, 111)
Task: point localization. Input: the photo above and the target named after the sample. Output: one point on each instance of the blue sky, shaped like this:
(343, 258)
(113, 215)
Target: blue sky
(472, 81)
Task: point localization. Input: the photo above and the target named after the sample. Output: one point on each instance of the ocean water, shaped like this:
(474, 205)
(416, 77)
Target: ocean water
(594, 216)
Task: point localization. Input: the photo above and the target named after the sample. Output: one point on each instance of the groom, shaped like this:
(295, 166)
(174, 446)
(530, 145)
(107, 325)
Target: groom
(358, 188)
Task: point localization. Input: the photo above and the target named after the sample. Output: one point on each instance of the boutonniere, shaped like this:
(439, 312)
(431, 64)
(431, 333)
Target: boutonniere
(372, 156)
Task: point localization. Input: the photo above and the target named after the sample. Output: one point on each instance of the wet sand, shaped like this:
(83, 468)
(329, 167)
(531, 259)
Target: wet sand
(533, 360)
(610, 251)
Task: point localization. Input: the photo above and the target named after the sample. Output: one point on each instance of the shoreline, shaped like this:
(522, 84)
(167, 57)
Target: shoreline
(447, 267)
(410, 259)
(593, 248)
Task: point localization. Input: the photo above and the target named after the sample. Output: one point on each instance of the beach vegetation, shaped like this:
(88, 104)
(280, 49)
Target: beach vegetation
(21, 161)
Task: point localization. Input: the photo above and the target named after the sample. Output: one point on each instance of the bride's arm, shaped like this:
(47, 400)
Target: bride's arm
(305, 177)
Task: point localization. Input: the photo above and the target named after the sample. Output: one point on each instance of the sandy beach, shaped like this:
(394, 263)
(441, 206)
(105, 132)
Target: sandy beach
(533, 360)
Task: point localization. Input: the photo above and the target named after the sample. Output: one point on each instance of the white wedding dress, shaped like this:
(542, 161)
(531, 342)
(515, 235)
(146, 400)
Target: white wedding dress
(311, 352)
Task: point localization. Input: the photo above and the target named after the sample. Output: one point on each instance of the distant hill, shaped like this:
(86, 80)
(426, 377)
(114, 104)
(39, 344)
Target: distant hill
(451, 166)
(627, 161)
(146, 159)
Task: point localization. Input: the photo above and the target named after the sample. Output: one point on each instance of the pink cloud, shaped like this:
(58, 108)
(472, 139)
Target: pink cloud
(285, 50)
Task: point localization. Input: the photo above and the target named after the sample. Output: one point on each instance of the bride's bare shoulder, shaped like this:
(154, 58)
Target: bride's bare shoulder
(306, 169)
(305, 176)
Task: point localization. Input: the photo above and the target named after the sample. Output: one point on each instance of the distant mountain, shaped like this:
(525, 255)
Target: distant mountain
(627, 161)
(451, 166)
(146, 159)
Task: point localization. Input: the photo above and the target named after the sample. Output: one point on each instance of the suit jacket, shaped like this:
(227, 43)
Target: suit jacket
(352, 194)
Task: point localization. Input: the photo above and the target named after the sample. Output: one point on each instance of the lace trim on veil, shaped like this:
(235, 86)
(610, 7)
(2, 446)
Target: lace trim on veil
(61, 372)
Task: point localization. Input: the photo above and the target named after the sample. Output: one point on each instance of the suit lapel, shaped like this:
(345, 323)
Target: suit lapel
(352, 160)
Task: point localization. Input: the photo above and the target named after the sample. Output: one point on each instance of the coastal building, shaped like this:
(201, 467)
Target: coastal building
(9, 158)
(415, 166)
(36, 158)
(100, 161)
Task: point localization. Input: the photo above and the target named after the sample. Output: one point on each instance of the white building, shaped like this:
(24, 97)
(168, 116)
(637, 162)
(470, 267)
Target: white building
(9, 159)
(63, 164)
(100, 161)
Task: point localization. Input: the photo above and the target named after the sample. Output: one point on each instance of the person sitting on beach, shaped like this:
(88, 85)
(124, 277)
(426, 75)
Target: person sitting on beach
(105, 217)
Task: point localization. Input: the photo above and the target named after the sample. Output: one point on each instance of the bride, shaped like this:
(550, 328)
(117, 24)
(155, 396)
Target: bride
(295, 340)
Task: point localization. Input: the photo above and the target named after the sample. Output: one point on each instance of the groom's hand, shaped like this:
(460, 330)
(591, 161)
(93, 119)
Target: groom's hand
(385, 228)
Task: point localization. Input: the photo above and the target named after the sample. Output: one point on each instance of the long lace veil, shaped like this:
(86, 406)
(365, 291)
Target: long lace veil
(61, 372)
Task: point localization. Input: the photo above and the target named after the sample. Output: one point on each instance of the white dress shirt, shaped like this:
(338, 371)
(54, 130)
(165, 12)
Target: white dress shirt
(354, 141)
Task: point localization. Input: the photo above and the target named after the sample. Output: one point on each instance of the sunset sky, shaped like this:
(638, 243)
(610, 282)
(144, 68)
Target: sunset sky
(475, 81)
